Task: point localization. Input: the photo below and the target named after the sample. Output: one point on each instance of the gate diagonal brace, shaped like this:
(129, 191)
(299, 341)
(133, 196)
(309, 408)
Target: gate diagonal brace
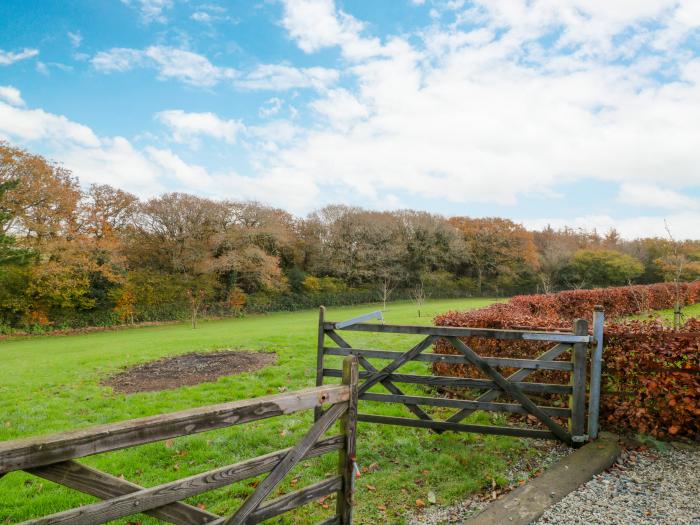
(511, 389)
(391, 387)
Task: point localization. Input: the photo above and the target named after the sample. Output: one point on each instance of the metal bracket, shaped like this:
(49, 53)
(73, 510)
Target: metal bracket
(366, 317)
(580, 439)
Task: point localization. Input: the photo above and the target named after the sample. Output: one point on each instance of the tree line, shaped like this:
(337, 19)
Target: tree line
(96, 256)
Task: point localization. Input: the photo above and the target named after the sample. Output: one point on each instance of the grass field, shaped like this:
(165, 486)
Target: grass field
(50, 384)
(666, 316)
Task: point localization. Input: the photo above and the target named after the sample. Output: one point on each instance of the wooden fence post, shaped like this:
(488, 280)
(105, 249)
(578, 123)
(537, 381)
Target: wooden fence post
(319, 355)
(596, 367)
(577, 403)
(348, 427)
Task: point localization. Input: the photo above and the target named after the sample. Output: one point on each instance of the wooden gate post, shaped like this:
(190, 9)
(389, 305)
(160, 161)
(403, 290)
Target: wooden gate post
(319, 355)
(577, 402)
(348, 427)
(596, 366)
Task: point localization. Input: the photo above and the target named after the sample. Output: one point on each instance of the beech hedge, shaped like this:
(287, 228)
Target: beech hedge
(651, 373)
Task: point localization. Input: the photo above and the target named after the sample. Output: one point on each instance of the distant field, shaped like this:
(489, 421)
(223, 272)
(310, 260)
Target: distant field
(50, 384)
(692, 310)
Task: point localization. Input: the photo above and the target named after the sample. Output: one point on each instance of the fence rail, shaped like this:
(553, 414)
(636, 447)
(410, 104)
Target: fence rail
(53, 458)
(492, 387)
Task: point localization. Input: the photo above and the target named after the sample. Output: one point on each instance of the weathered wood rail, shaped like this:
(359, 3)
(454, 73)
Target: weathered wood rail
(494, 386)
(53, 458)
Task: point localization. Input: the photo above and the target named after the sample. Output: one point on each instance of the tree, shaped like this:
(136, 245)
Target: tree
(43, 199)
(497, 249)
(599, 268)
(418, 295)
(10, 252)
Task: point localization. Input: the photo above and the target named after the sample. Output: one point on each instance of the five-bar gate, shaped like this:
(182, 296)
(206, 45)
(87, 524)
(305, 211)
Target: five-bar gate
(494, 386)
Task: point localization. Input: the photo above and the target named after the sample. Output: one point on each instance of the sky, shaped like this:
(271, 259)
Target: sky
(564, 112)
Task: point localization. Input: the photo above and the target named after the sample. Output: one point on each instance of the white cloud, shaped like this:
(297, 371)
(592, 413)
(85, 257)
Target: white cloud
(280, 77)
(104, 160)
(491, 114)
(185, 66)
(118, 59)
(202, 16)
(187, 127)
(75, 38)
(42, 68)
(151, 10)
(271, 107)
(683, 225)
(341, 108)
(11, 95)
(116, 162)
(190, 176)
(10, 57)
(316, 24)
(652, 196)
(37, 124)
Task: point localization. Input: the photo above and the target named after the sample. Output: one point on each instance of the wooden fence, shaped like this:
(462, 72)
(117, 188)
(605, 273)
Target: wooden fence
(513, 386)
(52, 458)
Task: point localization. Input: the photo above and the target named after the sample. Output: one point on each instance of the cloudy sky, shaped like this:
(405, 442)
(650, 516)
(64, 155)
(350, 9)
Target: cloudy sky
(579, 112)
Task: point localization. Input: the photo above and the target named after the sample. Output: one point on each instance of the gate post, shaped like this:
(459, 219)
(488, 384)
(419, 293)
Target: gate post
(348, 426)
(577, 402)
(596, 366)
(319, 355)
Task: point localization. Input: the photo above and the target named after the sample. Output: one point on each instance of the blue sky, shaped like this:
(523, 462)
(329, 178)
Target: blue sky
(571, 112)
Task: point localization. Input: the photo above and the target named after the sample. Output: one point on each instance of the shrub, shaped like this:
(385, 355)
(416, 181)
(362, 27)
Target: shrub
(651, 374)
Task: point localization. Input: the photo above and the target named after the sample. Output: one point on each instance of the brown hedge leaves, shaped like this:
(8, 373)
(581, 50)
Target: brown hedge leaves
(651, 373)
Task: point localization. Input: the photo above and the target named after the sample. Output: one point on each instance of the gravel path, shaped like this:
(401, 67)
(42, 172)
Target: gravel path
(651, 487)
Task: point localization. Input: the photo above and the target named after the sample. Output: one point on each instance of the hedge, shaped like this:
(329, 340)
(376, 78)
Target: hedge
(651, 373)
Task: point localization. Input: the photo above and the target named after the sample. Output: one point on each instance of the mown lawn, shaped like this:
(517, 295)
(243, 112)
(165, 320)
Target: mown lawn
(50, 384)
(666, 316)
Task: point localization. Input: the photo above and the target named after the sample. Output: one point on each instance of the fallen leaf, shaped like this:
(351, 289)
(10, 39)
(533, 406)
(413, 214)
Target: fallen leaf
(431, 497)
(420, 503)
(168, 443)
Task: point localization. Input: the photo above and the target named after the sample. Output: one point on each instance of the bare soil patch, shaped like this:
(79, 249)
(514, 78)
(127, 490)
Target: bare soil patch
(188, 369)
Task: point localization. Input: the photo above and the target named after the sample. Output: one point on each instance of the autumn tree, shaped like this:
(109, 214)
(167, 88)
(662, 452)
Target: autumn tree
(43, 198)
(499, 250)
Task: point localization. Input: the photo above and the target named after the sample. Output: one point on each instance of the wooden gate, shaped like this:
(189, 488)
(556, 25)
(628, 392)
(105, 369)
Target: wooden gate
(513, 386)
(52, 458)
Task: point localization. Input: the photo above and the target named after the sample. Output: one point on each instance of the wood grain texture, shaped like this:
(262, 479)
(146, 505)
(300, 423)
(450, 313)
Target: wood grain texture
(320, 342)
(510, 389)
(347, 456)
(532, 364)
(43, 450)
(143, 499)
(104, 486)
(391, 387)
(290, 460)
(458, 427)
(446, 331)
(460, 382)
(578, 379)
(512, 408)
(515, 377)
(400, 360)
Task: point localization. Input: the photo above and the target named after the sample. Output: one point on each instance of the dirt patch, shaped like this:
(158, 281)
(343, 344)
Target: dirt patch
(188, 369)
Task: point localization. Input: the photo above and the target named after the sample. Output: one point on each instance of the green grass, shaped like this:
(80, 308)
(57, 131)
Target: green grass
(666, 316)
(51, 384)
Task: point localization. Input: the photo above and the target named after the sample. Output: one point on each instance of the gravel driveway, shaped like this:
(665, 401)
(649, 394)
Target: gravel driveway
(650, 487)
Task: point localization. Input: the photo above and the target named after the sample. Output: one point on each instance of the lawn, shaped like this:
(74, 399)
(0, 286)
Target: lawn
(666, 316)
(51, 384)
